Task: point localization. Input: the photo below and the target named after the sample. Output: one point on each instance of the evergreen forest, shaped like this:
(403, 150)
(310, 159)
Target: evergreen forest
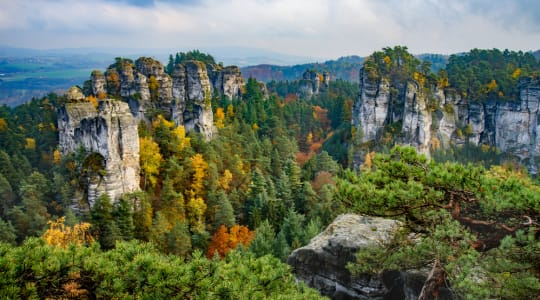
(217, 219)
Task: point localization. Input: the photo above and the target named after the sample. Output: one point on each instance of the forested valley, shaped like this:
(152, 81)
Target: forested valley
(217, 218)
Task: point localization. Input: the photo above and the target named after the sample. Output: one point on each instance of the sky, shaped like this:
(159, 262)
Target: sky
(315, 28)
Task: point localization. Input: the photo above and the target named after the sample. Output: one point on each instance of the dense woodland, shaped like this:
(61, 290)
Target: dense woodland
(216, 219)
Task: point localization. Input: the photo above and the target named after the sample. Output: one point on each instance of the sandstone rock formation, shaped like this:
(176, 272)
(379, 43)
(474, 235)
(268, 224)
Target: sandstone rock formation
(312, 83)
(183, 96)
(109, 131)
(322, 263)
(432, 118)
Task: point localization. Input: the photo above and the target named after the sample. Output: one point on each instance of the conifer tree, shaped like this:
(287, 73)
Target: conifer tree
(105, 228)
(264, 238)
(124, 219)
(224, 212)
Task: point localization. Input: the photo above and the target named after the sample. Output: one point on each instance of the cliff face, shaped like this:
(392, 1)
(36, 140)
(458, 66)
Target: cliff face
(431, 118)
(198, 108)
(109, 131)
(183, 96)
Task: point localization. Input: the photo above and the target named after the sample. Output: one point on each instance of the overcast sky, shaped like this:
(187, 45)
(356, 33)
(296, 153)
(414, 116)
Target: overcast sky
(316, 28)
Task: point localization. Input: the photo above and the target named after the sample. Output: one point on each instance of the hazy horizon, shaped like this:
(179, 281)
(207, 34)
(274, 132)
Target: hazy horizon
(321, 29)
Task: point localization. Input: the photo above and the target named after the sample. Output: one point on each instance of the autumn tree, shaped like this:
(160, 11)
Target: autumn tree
(150, 160)
(58, 234)
(224, 240)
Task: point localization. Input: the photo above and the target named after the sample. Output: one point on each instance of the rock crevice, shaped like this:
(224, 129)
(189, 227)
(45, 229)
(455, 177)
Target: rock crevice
(110, 131)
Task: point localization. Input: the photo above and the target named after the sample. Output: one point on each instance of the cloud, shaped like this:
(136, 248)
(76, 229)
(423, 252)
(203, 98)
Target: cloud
(322, 28)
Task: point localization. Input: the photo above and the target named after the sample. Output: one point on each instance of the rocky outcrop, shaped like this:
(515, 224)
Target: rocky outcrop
(198, 108)
(322, 263)
(226, 81)
(110, 132)
(312, 83)
(183, 96)
(99, 84)
(427, 119)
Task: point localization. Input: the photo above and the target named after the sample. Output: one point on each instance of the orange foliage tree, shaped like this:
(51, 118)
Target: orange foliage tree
(225, 240)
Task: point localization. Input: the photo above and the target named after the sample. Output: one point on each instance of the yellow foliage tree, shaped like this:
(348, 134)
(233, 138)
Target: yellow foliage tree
(61, 235)
(516, 73)
(196, 209)
(368, 160)
(225, 180)
(492, 86)
(230, 111)
(181, 141)
(387, 60)
(57, 156)
(161, 121)
(309, 138)
(30, 144)
(153, 86)
(150, 160)
(443, 82)
(200, 171)
(421, 79)
(3, 124)
(220, 117)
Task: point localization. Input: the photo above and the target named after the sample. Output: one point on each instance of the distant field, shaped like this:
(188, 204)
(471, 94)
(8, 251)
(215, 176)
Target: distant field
(21, 79)
(56, 74)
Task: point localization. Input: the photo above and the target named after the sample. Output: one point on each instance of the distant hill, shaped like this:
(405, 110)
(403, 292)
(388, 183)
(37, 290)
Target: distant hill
(536, 54)
(438, 61)
(346, 68)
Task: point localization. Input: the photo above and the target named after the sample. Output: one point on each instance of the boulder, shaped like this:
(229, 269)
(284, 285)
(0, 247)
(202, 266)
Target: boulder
(322, 263)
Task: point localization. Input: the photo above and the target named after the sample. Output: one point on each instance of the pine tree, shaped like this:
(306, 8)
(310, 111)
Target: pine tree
(179, 239)
(172, 202)
(280, 247)
(264, 238)
(159, 232)
(7, 197)
(224, 213)
(104, 226)
(7, 232)
(124, 219)
(142, 215)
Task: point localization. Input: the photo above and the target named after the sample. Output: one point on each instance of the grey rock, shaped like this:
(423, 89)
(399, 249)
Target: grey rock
(110, 131)
(99, 84)
(432, 114)
(312, 83)
(198, 114)
(322, 263)
(74, 94)
(184, 96)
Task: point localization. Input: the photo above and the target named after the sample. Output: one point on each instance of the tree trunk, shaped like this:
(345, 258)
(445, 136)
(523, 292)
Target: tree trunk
(435, 280)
